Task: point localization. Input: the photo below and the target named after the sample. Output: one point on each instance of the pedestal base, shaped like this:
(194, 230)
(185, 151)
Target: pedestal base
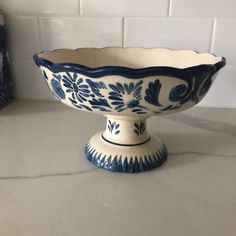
(129, 158)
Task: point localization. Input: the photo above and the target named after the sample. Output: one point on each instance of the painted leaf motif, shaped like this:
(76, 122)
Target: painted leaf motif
(136, 131)
(99, 102)
(139, 128)
(86, 107)
(152, 93)
(96, 86)
(56, 87)
(113, 127)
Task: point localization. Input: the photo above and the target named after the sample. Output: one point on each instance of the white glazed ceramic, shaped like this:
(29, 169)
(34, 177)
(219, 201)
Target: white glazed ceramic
(128, 85)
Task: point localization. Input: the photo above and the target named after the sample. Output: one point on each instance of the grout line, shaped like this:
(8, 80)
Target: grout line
(123, 32)
(169, 8)
(213, 35)
(80, 7)
(52, 16)
(39, 33)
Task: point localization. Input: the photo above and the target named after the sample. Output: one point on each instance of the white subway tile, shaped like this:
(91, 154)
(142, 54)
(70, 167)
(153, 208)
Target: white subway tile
(222, 93)
(224, 42)
(23, 36)
(28, 81)
(203, 8)
(80, 32)
(125, 7)
(44, 7)
(192, 34)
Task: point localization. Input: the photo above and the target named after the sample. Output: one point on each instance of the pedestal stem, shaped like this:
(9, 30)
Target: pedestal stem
(125, 131)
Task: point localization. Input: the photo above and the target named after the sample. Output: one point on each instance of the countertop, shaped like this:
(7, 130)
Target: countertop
(48, 188)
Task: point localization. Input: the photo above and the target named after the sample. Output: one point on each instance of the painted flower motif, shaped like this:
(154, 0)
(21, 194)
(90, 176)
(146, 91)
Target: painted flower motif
(80, 91)
(127, 96)
(56, 86)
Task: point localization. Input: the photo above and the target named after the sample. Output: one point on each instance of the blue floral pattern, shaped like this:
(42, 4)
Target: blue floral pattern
(79, 91)
(127, 96)
(88, 94)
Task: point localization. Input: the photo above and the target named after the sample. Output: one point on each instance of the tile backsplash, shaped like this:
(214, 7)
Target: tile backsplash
(80, 32)
(168, 32)
(203, 25)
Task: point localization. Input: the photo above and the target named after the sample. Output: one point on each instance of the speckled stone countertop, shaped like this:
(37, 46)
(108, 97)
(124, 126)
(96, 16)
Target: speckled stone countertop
(48, 188)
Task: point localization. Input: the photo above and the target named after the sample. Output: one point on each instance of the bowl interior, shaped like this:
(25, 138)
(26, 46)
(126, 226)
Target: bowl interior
(130, 57)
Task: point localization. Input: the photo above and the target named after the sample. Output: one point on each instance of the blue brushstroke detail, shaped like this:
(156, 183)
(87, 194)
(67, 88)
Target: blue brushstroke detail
(191, 89)
(96, 86)
(123, 91)
(56, 87)
(79, 91)
(100, 104)
(86, 107)
(152, 93)
(139, 128)
(113, 127)
(178, 92)
(123, 164)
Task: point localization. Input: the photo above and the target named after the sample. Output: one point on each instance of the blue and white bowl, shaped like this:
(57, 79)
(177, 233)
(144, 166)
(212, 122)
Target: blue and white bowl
(128, 85)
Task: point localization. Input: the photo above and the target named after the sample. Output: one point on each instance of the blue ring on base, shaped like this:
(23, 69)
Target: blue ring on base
(121, 164)
(125, 145)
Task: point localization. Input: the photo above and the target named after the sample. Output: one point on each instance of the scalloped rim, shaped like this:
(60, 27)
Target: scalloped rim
(127, 72)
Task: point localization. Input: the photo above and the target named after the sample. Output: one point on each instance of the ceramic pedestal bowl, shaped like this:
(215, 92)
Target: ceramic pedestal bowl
(128, 85)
